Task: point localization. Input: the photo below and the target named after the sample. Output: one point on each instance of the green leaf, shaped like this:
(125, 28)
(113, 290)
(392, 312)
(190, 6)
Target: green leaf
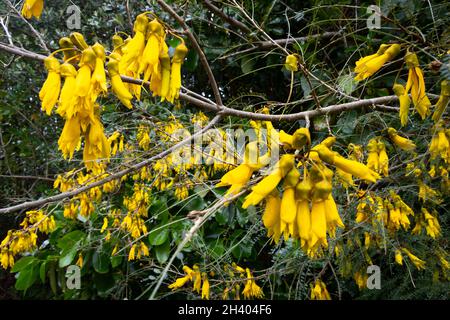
(67, 257)
(100, 261)
(191, 62)
(70, 240)
(27, 277)
(116, 260)
(159, 236)
(23, 263)
(43, 271)
(346, 83)
(247, 64)
(162, 252)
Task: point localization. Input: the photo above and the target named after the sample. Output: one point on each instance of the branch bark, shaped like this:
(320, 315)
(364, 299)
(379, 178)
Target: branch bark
(117, 175)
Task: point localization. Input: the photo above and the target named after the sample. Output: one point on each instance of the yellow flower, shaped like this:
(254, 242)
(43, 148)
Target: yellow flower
(319, 291)
(355, 168)
(251, 289)
(66, 101)
(372, 157)
(288, 211)
(291, 63)
(300, 138)
(443, 101)
(269, 183)
(87, 66)
(197, 279)
(367, 66)
(49, 92)
(271, 216)
(240, 176)
(402, 143)
(383, 159)
(99, 75)
(32, 8)
(416, 84)
(150, 56)
(179, 283)
(105, 225)
(404, 101)
(135, 47)
(70, 137)
(117, 85)
(175, 78)
(332, 215)
(80, 260)
(398, 257)
(318, 224)
(418, 263)
(205, 287)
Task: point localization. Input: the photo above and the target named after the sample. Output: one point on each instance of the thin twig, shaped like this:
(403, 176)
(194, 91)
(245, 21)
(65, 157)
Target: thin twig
(201, 54)
(36, 33)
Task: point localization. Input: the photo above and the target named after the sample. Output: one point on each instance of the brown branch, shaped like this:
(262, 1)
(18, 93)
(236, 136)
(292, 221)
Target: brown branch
(13, 176)
(201, 54)
(227, 111)
(282, 42)
(115, 176)
(43, 45)
(226, 17)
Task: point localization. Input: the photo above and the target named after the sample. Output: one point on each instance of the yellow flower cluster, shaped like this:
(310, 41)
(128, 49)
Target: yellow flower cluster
(82, 203)
(193, 274)
(440, 144)
(25, 240)
(377, 158)
(306, 210)
(232, 288)
(32, 8)
(319, 291)
(391, 212)
(429, 222)
(418, 263)
(146, 56)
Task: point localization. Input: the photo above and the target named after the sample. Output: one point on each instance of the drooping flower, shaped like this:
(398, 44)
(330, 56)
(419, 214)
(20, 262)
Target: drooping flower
(443, 101)
(87, 66)
(401, 142)
(416, 84)
(404, 101)
(175, 77)
(49, 92)
(65, 106)
(269, 183)
(367, 66)
(99, 74)
(291, 62)
(418, 263)
(32, 8)
(134, 49)
(319, 291)
(117, 85)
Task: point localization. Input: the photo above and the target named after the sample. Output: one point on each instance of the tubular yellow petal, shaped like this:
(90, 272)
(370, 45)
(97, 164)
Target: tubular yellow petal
(318, 222)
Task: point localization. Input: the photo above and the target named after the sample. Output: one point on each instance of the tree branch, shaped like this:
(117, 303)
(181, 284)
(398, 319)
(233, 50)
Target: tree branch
(201, 54)
(227, 111)
(115, 176)
(43, 45)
